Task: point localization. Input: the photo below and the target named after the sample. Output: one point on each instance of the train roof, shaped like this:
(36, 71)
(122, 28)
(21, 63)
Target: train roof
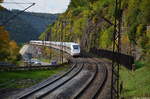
(64, 43)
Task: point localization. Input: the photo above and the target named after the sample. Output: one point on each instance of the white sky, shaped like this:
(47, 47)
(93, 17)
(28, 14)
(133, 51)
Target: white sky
(43, 6)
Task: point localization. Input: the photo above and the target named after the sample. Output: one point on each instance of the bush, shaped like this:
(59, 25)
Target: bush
(139, 64)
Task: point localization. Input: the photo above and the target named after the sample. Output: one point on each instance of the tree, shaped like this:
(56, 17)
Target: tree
(145, 11)
(9, 51)
(1, 1)
(13, 51)
(1, 8)
(4, 44)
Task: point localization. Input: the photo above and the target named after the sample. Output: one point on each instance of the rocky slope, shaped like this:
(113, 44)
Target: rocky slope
(90, 23)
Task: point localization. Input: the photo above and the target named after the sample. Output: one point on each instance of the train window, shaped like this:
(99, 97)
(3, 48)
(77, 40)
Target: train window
(75, 47)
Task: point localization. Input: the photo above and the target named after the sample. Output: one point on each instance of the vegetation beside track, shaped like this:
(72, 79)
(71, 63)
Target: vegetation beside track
(24, 79)
(137, 83)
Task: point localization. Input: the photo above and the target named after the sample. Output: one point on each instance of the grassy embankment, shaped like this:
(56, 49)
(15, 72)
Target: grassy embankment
(44, 60)
(137, 83)
(23, 79)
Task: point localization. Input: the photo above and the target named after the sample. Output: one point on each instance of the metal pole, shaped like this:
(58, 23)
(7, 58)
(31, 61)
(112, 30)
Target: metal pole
(62, 39)
(50, 33)
(116, 49)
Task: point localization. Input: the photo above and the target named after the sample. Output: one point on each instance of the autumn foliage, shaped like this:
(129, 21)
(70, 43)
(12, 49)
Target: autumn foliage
(1, 6)
(8, 49)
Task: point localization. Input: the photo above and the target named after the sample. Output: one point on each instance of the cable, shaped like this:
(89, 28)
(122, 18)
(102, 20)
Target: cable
(27, 1)
(20, 5)
(4, 23)
(15, 3)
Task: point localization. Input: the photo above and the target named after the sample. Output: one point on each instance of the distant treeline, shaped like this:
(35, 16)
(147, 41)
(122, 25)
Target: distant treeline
(26, 26)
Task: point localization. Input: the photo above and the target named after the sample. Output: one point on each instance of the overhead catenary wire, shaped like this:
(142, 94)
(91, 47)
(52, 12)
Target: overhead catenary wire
(14, 16)
(15, 3)
(20, 4)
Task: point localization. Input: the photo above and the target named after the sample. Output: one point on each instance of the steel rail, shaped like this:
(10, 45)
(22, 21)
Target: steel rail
(11, 68)
(51, 82)
(89, 83)
(82, 90)
(72, 76)
(101, 85)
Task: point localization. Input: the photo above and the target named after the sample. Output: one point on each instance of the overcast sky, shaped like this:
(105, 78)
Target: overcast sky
(44, 6)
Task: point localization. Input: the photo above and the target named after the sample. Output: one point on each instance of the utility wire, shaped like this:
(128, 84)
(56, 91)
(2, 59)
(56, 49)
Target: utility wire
(26, 1)
(17, 14)
(20, 5)
(15, 3)
(5, 23)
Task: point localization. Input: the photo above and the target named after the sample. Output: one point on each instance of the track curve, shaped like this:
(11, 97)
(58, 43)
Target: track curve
(85, 80)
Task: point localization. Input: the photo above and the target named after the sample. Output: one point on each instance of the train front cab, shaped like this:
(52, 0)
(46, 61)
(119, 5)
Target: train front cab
(75, 50)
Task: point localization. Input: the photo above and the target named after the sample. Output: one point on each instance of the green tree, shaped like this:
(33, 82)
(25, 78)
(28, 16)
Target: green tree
(145, 11)
(13, 52)
(1, 8)
(4, 44)
(9, 50)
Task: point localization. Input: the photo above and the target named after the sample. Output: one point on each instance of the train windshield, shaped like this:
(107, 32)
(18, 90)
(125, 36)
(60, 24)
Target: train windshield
(75, 46)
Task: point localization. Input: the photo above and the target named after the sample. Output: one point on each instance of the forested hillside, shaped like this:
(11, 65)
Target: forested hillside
(90, 22)
(38, 21)
(26, 26)
(23, 28)
(9, 50)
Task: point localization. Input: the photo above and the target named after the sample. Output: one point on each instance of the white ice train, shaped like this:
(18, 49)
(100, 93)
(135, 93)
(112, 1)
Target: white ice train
(69, 47)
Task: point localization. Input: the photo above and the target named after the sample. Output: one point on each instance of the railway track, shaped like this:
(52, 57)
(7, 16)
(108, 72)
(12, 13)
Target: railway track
(72, 72)
(21, 68)
(85, 80)
(94, 86)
